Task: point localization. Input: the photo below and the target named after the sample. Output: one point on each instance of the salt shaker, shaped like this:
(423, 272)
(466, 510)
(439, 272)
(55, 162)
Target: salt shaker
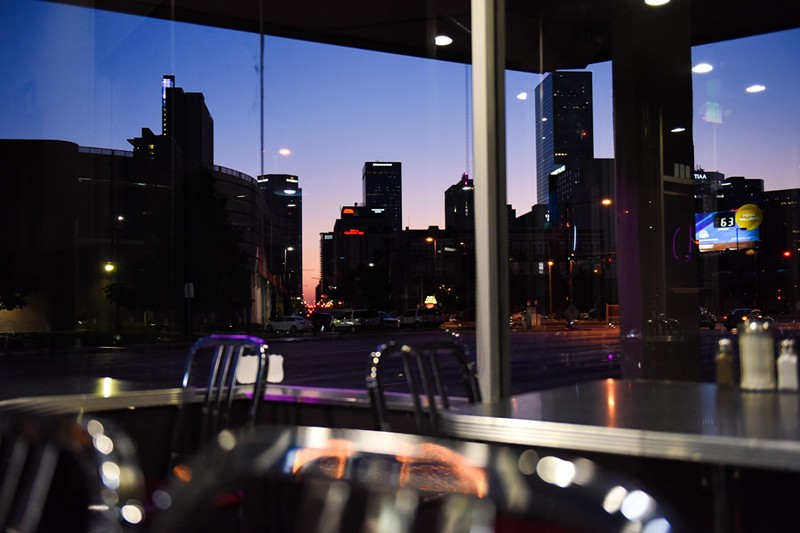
(757, 354)
(724, 363)
(787, 366)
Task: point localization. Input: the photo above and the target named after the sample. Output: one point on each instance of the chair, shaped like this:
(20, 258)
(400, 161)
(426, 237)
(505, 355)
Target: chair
(424, 369)
(68, 475)
(214, 363)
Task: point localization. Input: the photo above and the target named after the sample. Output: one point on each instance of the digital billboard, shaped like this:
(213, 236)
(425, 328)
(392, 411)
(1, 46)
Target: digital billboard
(736, 229)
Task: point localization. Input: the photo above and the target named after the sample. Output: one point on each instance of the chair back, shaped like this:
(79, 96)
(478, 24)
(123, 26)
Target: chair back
(218, 376)
(428, 368)
(215, 366)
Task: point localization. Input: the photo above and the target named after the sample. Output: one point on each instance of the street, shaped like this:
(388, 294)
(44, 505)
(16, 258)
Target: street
(540, 358)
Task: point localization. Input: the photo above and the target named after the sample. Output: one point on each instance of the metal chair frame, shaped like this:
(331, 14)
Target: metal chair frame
(423, 372)
(31, 449)
(221, 385)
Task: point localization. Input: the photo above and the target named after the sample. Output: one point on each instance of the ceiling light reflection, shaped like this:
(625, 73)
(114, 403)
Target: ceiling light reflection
(756, 88)
(702, 68)
(656, 3)
(443, 40)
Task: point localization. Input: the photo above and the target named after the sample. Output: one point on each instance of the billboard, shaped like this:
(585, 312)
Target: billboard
(736, 229)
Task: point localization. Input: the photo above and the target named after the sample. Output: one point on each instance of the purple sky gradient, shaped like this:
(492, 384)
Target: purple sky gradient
(336, 108)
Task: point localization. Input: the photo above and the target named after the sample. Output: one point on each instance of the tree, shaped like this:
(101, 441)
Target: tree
(16, 283)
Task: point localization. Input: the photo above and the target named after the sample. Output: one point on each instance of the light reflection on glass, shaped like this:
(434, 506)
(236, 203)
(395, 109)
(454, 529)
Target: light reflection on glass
(110, 473)
(659, 525)
(611, 402)
(556, 471)
(527, 462)
(437, 468)
(103, 444)
(108, 387)
(613, 500)
(133, 514)
(637, 505)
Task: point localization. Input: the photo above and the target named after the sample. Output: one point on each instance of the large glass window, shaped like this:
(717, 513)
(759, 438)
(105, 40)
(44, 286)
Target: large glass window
(163, 180)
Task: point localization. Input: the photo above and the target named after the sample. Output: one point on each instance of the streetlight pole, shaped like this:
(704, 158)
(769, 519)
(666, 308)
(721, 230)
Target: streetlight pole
(550, 286)
(432, 240)
(285, 269)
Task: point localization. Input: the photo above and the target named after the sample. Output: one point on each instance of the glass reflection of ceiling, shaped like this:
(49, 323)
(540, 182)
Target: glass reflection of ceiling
(571, 33)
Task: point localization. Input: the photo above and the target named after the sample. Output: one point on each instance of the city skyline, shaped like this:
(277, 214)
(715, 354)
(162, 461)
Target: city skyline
(335, 108)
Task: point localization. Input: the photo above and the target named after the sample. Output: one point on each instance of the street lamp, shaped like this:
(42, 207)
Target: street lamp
(432, 240)
(550, 285)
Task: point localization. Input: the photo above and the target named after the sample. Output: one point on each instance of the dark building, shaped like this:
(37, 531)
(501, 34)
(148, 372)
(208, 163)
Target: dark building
(360, 268)
(326, 264)
(382, 185)
(459, 205)
(283, 232)
(564, 125)
(185, 118)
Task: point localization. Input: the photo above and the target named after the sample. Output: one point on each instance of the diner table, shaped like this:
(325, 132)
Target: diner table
(685, 421)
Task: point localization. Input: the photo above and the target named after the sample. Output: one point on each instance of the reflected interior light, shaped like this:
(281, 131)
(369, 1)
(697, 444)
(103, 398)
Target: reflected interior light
(637, 505)
(182, 472)
(289, 191)
(162, 499)
(133, 514)
(585, 471)
(95, 427)
(614, 498)
(527, 462)
(756, 88)
(103, 444)
(679, 129)
(108, 387)
(331, 460)
(659, 525)
(522, 96)
(98, 507)
(656, 3)
(110, 473)
(442, 40)
(226, 440)
(285, 151)
(437, 468)
(556, 471)
(702, 68)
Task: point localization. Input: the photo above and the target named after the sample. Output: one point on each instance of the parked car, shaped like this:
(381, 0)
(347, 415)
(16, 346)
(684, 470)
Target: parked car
(740, 314)
(707, 319)
(419, 318)
(355, 319)
(388, 321)
(321, 321)
(289, 324)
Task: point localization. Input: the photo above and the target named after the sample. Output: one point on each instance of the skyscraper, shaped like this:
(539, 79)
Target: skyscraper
(564, 126)
(459, 205)
(283, 231)
(383, 188)
(185, 118)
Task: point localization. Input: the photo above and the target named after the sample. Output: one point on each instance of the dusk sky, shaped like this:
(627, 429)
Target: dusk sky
(336, 108)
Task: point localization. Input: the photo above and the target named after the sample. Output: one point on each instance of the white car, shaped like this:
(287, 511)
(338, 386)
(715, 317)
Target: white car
(289, 324)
